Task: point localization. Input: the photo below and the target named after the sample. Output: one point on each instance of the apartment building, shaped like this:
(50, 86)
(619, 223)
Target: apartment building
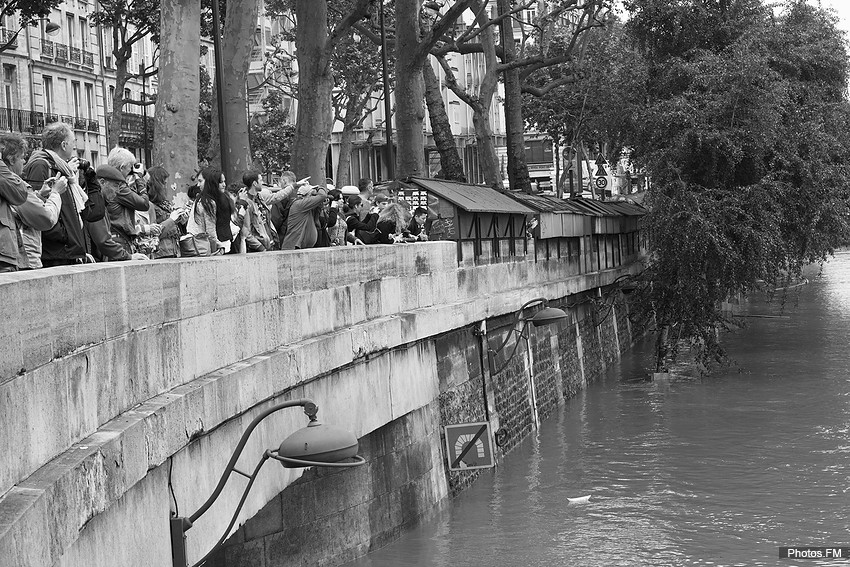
(68, 75)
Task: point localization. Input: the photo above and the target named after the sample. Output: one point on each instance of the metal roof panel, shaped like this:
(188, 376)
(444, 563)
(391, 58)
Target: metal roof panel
(472, 198)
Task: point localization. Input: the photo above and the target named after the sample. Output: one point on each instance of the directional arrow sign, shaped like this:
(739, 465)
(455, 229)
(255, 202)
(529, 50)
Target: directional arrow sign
(469, 446)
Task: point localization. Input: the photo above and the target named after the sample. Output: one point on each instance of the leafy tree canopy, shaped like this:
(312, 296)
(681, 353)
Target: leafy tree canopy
(745, 133)
(272, 135)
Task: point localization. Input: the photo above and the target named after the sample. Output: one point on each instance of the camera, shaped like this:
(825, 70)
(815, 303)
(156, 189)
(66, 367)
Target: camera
(84, 165)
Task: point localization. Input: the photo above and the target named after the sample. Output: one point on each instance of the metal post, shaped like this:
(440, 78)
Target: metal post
(145, 157)
(387, 106)
(219, 84)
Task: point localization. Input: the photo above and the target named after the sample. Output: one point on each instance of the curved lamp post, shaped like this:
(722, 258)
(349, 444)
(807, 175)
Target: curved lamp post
(546, 316)
(314, 445)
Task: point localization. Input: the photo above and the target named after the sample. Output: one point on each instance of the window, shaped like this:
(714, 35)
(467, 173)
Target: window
(89, 101)
(10, 86)
(70, 27)
(75, 94)
(84, 33)
(111, 98)
(94, 156)
(48, 94)
(127, 95)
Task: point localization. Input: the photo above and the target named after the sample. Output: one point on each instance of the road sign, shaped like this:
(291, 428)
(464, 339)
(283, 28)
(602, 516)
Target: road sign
(601, 182)
(469, 446)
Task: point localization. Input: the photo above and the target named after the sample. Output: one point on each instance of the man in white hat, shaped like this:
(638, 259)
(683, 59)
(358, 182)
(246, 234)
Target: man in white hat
(301, 224)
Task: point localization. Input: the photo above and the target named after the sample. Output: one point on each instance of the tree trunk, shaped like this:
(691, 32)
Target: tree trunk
(450, 161)
(237, 44)
(315, 83)
(343, 167)
(409, 92)
(116, 117)
(176, 130)
(514, 124)
(487, 156)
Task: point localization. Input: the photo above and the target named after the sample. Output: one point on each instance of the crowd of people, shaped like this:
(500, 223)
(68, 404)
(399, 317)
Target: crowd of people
(57, 209)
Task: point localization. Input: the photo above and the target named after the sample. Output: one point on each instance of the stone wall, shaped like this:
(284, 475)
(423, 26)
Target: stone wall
(125, 386)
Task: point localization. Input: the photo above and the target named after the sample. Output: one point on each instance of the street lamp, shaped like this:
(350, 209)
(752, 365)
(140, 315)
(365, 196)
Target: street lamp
(546, 316)
(219, 87)
(314, 445)
(50, 28)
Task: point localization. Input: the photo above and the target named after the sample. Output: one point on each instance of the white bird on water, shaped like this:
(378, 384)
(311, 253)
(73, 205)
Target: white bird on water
(579, 500)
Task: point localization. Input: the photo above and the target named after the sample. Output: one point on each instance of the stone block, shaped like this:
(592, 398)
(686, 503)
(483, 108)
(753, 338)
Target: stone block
(146, 298)
(267, 521)
(391, 295)
(372, 297)
(197, 286)
(285, 282)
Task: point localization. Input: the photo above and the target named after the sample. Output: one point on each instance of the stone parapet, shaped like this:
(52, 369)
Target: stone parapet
(109, 371)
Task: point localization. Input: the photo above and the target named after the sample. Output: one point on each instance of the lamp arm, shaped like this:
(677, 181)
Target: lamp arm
(493, 353)
(310, 410)
(517, 318)
(245, 492)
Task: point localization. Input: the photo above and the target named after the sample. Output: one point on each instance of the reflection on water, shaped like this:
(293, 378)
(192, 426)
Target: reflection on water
(715, 471)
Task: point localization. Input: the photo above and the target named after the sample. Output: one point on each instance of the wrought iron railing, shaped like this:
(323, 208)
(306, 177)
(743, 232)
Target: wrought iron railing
(61, 52)
(7, 35)
(80, 124)
(47, 48)
(133, 127)
(76, 55)
(92, 125)
(24, 121)
(88, 59)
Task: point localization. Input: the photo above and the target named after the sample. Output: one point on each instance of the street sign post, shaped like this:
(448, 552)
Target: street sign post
(469, 446)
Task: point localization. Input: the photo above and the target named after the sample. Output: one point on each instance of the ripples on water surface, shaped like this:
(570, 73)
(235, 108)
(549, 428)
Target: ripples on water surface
(717, 471)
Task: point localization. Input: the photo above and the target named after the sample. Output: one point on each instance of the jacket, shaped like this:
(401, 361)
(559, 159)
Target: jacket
(13, 191)
(35, 216)
(301, 229)
(121, 206)
(202, 221)
(66, 240)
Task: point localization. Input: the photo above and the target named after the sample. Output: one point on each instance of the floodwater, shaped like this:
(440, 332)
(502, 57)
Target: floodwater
(719, 470)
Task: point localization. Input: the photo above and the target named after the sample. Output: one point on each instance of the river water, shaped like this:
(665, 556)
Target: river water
(720, 470)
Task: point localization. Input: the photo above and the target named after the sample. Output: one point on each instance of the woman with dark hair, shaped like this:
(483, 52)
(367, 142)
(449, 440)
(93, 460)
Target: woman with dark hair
(161, 212)
(203, 219)
(215, 188)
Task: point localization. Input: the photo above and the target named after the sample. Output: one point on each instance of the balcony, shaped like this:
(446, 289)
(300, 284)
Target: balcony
(61, 52)
(76, 55)
(92, 126)
(7, 35)
(23, 121)
(133, 128)
(88, 59)
(47, 48)
(80, 124)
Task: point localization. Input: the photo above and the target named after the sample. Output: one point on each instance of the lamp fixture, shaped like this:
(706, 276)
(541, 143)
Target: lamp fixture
(543, 317)
(51, 28)
(315, 445)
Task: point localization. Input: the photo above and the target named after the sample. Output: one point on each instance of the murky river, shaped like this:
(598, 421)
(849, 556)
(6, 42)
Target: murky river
(714, 471)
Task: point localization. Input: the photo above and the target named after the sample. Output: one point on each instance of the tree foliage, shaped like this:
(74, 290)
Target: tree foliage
(272, 135)
(745, 133)
(29, 13)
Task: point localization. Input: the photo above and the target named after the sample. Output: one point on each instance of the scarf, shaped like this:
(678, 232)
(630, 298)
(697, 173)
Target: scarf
(77, 192)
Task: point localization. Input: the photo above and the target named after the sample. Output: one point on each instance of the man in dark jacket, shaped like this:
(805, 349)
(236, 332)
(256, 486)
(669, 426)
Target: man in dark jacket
(64, 243)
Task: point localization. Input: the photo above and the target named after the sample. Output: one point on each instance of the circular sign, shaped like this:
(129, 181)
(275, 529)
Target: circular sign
(601, 182)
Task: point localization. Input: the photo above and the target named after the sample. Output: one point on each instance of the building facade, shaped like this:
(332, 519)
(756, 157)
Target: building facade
(69, 76)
